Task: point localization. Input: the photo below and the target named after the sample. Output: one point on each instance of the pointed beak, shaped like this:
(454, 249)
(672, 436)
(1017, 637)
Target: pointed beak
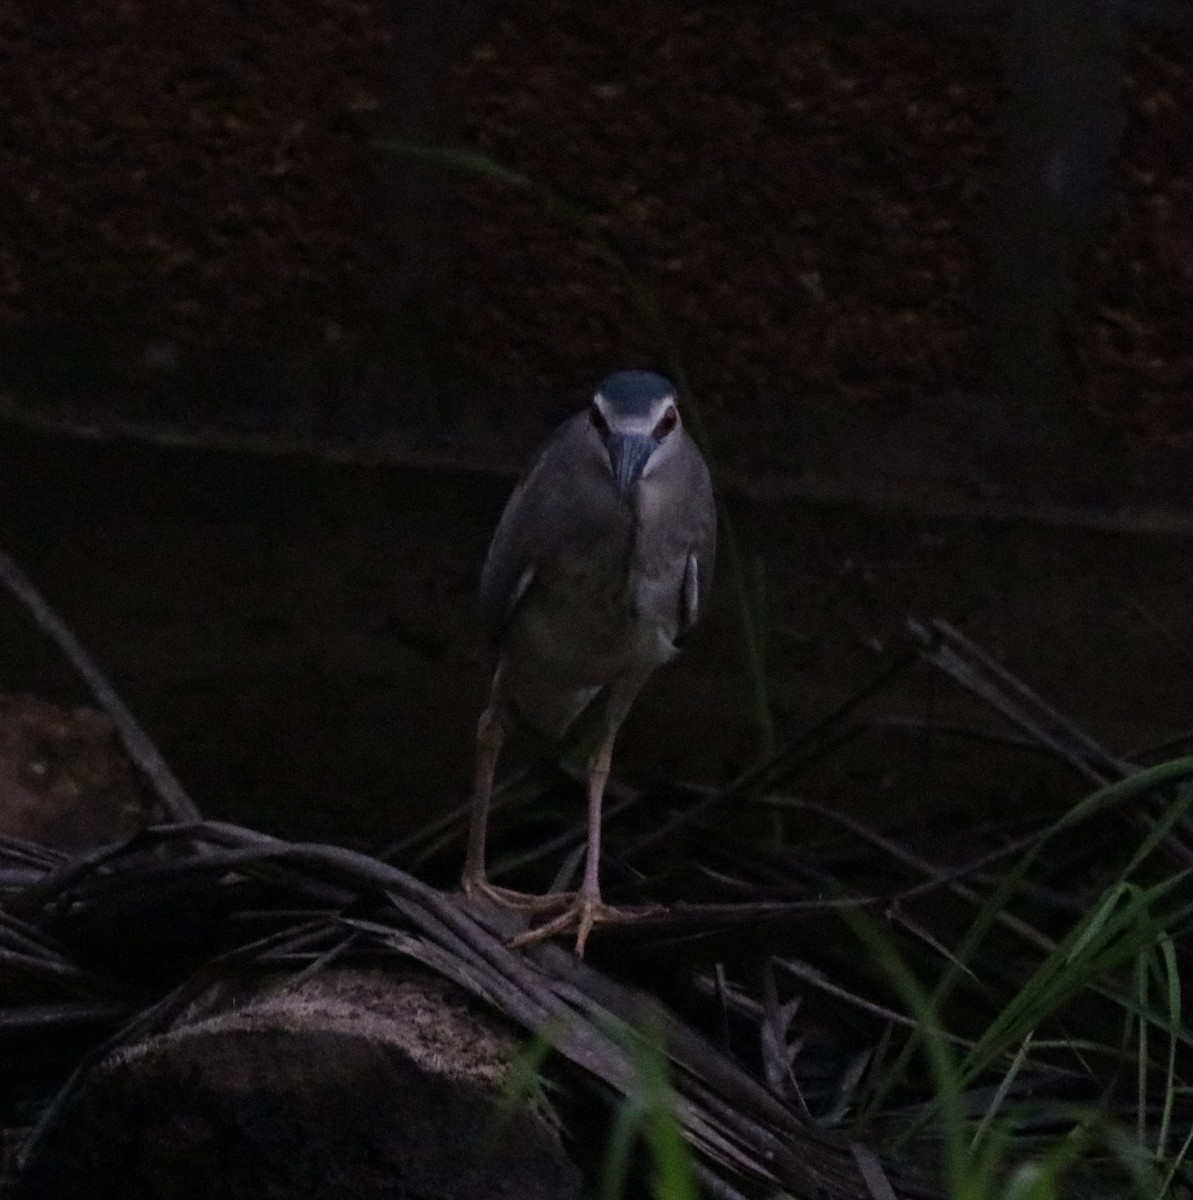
(628, 454)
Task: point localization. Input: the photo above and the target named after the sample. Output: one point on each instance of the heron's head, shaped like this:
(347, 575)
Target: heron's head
(636, 417)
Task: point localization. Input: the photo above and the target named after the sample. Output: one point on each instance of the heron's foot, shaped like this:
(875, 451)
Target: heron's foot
(581, 914)
(479, 888)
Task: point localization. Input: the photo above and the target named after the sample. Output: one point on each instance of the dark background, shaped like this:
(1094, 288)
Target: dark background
(266, 377)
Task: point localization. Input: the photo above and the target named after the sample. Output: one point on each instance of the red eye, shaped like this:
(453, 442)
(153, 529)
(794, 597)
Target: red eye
(667, 422)
(598, 421)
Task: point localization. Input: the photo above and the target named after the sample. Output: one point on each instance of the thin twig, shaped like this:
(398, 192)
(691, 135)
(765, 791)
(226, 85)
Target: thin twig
(950, 650)
(177, 805)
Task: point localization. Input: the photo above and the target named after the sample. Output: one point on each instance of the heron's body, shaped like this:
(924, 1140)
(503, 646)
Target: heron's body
(600, 563)
(579, 589)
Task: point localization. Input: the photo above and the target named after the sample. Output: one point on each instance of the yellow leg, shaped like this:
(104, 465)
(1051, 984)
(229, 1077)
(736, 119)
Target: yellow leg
(490, 734)
(586, 908)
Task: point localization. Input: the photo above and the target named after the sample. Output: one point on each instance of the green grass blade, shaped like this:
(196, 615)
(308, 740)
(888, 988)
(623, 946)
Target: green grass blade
(459, 159)
(1139, 978)
(1172, 978)
(1122, 927)
(1000, 1094)
(1140, 784)
(626, 1126)
(963, 1183)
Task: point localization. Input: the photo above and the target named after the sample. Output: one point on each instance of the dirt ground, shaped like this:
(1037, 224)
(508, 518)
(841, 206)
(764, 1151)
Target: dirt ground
(801, 192)
(199, 214)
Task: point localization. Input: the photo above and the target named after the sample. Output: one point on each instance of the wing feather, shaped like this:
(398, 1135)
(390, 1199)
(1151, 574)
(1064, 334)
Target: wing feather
(698, 519)
(523, 535)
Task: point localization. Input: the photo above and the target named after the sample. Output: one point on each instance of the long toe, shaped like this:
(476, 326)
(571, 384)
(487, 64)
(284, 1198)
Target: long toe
(582, 914)
(550, 902)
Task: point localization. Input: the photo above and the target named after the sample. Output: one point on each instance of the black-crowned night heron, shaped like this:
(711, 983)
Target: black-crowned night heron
(602, 560)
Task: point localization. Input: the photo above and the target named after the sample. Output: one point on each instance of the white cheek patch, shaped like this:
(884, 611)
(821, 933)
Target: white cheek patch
(663, 451)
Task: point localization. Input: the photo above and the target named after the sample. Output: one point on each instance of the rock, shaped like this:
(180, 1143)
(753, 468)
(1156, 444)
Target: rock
(65, 780)
(354, 1084)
